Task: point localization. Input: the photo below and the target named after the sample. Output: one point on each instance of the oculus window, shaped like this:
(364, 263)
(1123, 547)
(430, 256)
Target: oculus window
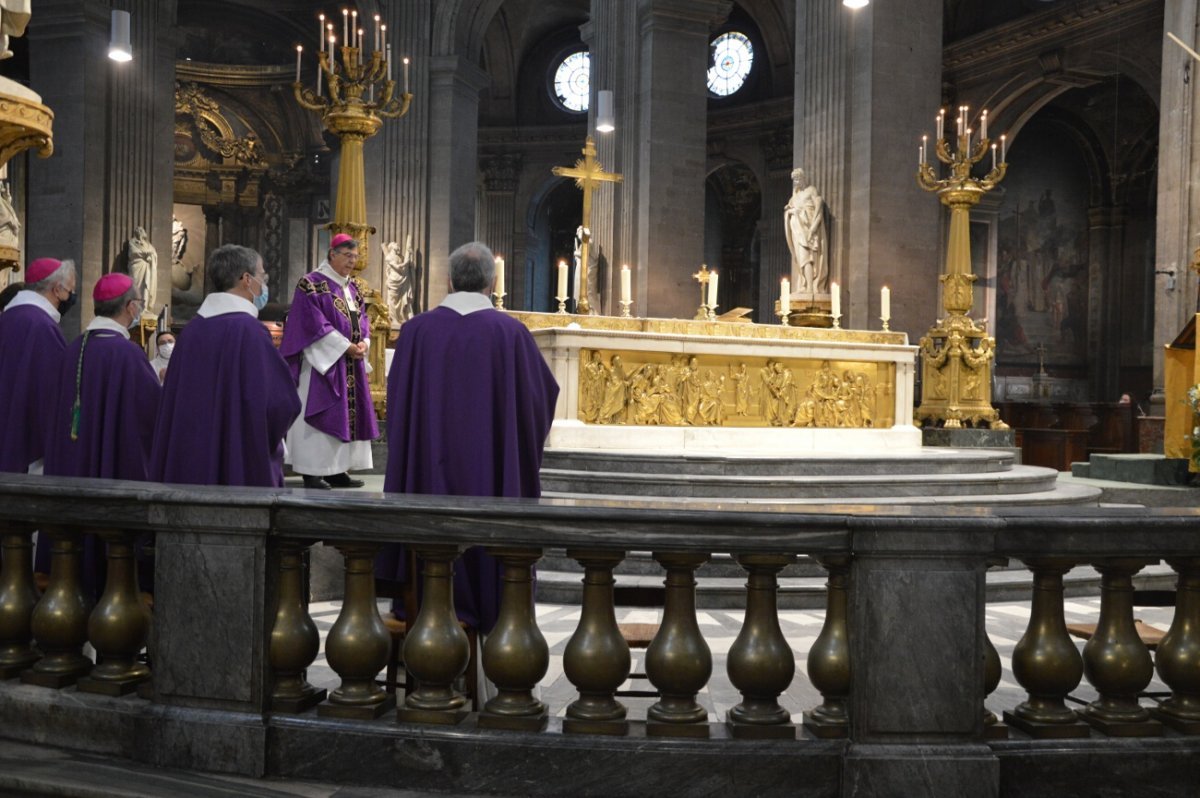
(573, 81)
(732, 57)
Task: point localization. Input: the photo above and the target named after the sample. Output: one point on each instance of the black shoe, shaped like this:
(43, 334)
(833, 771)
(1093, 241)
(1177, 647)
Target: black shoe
(316, 483)
(343, 480)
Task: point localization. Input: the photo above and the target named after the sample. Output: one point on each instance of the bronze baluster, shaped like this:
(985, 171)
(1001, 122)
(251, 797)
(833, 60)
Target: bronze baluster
(118, 626)
(678, 661)
(357, 644)
(1045, 661)
(436, 649)
(294, 638)
(760, 661)
(1178, 654)
(993, 729)
(60, 619)
(18, 597)
(829, 657)
(1115, 660)
(515, 655)
(596, 659)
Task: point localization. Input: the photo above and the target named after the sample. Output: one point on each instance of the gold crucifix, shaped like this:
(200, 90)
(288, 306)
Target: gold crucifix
(588, 174)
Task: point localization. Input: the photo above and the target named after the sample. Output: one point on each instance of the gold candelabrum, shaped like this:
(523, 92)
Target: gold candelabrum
(350, 111)
(957, 354)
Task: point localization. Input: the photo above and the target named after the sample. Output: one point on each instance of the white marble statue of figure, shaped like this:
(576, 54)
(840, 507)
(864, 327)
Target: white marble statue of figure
(593, 274)
(179, 239)
(10, 225)
(14, 16)
(804, 225)
(400, 274)
(142, 266)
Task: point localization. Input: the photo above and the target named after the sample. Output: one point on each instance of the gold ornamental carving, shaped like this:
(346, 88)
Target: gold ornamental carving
(957, 354)
(658, 389)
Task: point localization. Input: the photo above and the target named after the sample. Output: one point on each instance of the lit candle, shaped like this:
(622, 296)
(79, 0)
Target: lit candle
(960, 122)
(345, 25)
(712, 289)
(1003, 149)
(941, 119)
(993, 156)
(360, 49)
(499, 276)
(968, 138)
(320, 30)
(562, 281)
(626, 287)
(389, 63)
(332, 62)
(785, 296)
(983, 125)
(885, 303)
(354, 27)
(377, 36)
(921, 161)
(835, 299)
(406, 76)
(299, 52)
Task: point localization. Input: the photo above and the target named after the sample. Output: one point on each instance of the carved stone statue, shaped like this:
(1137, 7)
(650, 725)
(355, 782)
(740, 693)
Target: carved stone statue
(10, 226)
(141, 263)
(804, 225)
(179, 240)
(186, 292)
(593, 274)
(14, 16)
(400, 272)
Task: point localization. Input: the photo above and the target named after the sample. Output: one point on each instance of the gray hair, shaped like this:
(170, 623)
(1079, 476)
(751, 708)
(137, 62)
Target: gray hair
(472, 267)
(227, 264)
(111, 307)
(59, 276)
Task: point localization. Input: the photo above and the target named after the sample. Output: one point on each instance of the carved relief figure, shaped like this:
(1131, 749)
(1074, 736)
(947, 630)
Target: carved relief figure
(804, 226)
(142, 265)
(612, 408)
(741, 390)
(711, 410)
(400, 270)
(591, 394)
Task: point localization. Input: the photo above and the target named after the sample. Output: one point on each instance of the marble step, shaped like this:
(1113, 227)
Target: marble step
(1013, 583)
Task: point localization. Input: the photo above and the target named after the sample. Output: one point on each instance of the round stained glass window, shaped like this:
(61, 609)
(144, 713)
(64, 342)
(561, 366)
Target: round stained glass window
(573, 81)
(732, 57)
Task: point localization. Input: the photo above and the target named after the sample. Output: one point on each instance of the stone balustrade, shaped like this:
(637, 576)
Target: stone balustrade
(902, 663)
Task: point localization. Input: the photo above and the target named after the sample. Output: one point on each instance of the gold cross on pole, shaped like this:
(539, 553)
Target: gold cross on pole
(589, 175)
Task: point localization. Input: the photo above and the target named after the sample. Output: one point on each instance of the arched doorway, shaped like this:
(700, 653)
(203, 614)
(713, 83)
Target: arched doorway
(554, 214)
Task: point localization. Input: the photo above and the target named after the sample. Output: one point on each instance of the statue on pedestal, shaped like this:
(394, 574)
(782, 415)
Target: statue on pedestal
(804, 226)
(593, 271)
(141, 263)
(14, 16)
(400, 272)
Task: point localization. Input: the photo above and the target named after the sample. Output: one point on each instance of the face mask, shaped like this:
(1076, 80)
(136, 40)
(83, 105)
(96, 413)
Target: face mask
(262, 299)
(165, 351)
(136, 321)
(67, 304)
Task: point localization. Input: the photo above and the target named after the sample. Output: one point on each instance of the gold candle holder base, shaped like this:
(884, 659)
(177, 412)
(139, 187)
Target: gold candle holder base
(837, 320)
(562, 305)
(499, 303)
(712, 313)
(625, 304)
(886, 328)
(783, 315)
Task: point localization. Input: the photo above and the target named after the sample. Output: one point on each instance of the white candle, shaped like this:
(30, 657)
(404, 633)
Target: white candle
(785, 296)
(360, 47)
(983, 125)
(332, 62)
(712, 289)
(626, 286)
(499, 276)
(835, 299)
(1003, 149)
(562, 281)
(320, 30)
(941, 119)
(389, 63)
(377, 37)
(921, 155)
(299, 52)
(354, 27)
(993, 156)
(346, 25)
(406, 76)
(885, 303)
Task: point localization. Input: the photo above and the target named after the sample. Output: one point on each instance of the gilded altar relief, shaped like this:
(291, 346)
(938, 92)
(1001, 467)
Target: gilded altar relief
(641, 388)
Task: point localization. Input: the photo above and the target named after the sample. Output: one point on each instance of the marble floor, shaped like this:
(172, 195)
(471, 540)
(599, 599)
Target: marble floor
(1006, 624)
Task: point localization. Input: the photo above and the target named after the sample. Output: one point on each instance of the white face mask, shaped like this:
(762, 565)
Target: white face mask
(165, 351)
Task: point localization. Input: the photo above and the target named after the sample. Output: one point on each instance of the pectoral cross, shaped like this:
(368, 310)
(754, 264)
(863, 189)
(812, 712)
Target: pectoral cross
(589, 175)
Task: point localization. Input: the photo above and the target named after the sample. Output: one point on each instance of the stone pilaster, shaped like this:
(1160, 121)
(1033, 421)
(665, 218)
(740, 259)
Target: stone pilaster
(867, 82)
(397, 158)
(496, 218)
(1106, 232)
(672, 156)
(1178, 208)
(774, 257)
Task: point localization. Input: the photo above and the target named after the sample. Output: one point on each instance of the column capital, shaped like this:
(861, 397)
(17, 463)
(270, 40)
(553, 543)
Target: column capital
(683, 14)
(500, 172)
(458, 72)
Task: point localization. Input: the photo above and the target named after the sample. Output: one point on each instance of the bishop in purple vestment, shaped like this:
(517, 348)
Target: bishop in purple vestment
(31, 345)
(325, 342)
(470, 403)
(105, 398)
(228, 399)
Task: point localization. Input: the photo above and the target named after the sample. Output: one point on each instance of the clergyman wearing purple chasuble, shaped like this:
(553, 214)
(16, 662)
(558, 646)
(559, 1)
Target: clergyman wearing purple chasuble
(228, 398)
(325, 343)
(470, 403)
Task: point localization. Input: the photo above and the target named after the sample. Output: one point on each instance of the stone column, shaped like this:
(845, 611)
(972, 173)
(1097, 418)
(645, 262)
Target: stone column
(1178, 209)
(454, 86)
(916, 697)
(672, 157)
(867, 83)
(397, 158)
(496, 219)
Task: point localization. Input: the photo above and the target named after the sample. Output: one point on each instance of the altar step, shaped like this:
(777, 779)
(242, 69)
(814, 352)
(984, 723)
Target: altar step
(925, 476)
(721, 583)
